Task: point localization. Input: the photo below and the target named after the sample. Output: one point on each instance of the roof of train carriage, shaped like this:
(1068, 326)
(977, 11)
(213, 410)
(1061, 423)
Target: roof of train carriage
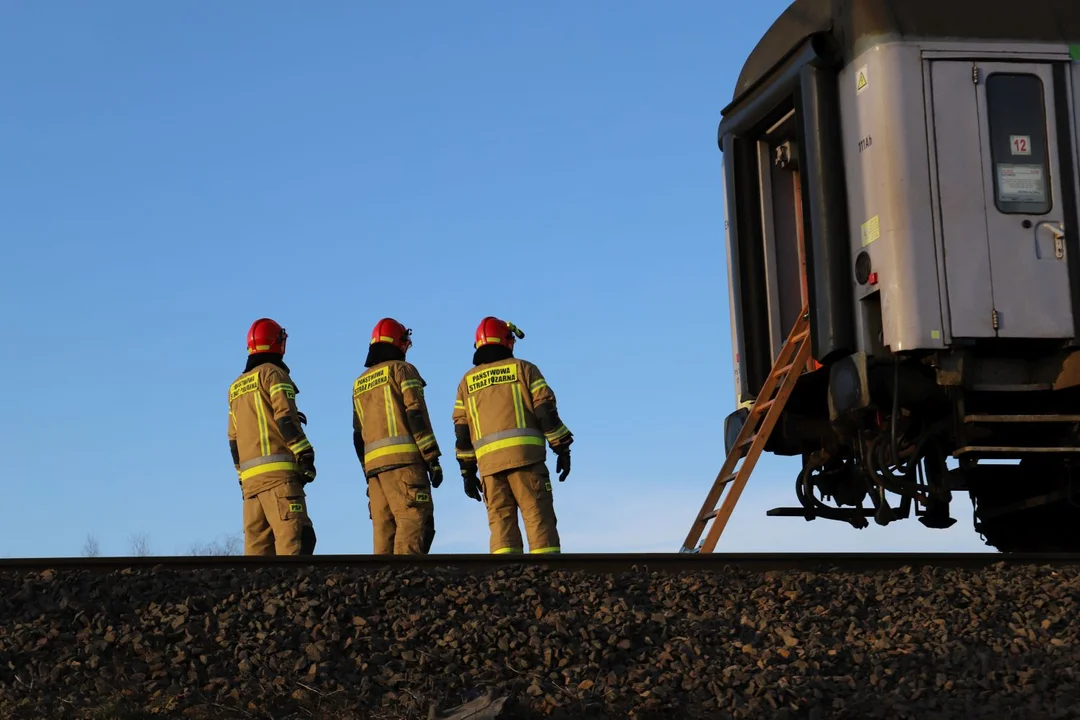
(856, 25)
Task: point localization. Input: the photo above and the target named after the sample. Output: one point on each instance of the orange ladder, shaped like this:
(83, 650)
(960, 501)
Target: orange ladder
(793, 361)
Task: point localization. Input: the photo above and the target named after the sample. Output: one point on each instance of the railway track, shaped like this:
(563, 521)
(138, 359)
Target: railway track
(595, 563)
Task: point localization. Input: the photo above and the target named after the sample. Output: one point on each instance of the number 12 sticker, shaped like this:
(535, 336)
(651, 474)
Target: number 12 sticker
(1020, 144)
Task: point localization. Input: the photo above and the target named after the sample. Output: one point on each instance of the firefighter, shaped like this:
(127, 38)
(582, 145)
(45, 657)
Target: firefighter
(503, 413)
(395, 444)
(272, 456)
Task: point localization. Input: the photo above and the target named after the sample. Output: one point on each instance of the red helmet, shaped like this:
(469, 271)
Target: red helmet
(493, 331)
(265, 335)
(389, 330)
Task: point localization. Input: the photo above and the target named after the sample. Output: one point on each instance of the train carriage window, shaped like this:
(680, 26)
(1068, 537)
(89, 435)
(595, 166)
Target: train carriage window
(1018, 148)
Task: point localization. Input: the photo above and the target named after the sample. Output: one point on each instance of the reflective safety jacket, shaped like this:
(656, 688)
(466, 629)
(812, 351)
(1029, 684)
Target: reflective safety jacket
(391, 425)
(503, 413)
(265, 434)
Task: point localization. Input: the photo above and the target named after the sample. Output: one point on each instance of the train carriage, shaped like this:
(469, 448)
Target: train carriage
(905, 173)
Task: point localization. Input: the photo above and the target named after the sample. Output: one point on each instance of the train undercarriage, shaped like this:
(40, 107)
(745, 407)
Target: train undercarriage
(882, 449)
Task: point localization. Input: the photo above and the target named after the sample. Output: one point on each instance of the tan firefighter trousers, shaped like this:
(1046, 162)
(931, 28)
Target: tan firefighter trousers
(528, 488)
(401, 510)
(276, 522)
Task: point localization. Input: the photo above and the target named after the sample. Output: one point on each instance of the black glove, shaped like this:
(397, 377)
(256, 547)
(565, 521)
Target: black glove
(306, 461)
(473, 487)
(562, 464)
(302, 416)
(435, 474)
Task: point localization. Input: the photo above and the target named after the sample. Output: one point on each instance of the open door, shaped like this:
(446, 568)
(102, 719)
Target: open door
(783, 231)
(1002, 214)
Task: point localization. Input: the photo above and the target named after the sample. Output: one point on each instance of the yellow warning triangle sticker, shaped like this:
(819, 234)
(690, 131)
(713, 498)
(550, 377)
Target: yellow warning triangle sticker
(861, 84)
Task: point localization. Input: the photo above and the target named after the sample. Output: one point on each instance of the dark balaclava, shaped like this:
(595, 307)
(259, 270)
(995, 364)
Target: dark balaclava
(256, 359)
(381, 352)
(491, 353)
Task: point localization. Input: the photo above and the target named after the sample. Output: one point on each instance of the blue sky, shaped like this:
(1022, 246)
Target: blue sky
(171, 171)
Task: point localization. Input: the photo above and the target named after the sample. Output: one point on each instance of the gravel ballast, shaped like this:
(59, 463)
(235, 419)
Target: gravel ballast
(282, 642)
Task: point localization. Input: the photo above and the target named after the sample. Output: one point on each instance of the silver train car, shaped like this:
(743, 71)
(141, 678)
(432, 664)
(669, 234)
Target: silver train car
(907, 171)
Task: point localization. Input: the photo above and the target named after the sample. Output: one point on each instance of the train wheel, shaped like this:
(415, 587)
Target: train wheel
(1030, 507)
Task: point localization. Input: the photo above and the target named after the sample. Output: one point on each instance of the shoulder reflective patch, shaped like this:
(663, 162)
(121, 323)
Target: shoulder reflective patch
(243, 386)
(296, 507)
(371, 380)
(419, 379)
(289, 390)
(492, 376)
(414, 385)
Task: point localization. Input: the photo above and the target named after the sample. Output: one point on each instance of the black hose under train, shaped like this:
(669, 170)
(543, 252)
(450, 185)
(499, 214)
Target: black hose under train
(810, 503)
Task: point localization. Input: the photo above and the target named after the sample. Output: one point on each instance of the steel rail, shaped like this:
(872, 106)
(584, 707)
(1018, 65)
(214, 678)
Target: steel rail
(596, 563)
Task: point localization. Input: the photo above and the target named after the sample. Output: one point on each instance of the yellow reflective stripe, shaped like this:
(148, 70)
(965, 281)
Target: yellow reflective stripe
(548, 550)
(519, 406)
(474, 415)
(256, 461)
(265, 468)
(232, 418)
(466, 455)
(359, 409)
(391, 414)
(538, 385)
(512, 433)
(509, 442)
(411, 384)
(559, 432)
(426, 441)
(459, 405)
(506, 551)
(299, 446)
(264, 432)
(390, 450)
(282, 387)
(396, 440)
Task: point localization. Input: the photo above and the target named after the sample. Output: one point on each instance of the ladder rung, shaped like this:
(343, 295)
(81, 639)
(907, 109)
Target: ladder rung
(783, 370)
(748, 441)
(765, 405)
(727, 479)
(709, 516)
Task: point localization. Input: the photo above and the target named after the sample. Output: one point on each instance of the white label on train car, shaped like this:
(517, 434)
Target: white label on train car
(1020, 183)
(861, 81)
(1020, 144)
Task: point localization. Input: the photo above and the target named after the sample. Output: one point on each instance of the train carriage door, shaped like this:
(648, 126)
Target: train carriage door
(995, 135)
(1025, 211)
